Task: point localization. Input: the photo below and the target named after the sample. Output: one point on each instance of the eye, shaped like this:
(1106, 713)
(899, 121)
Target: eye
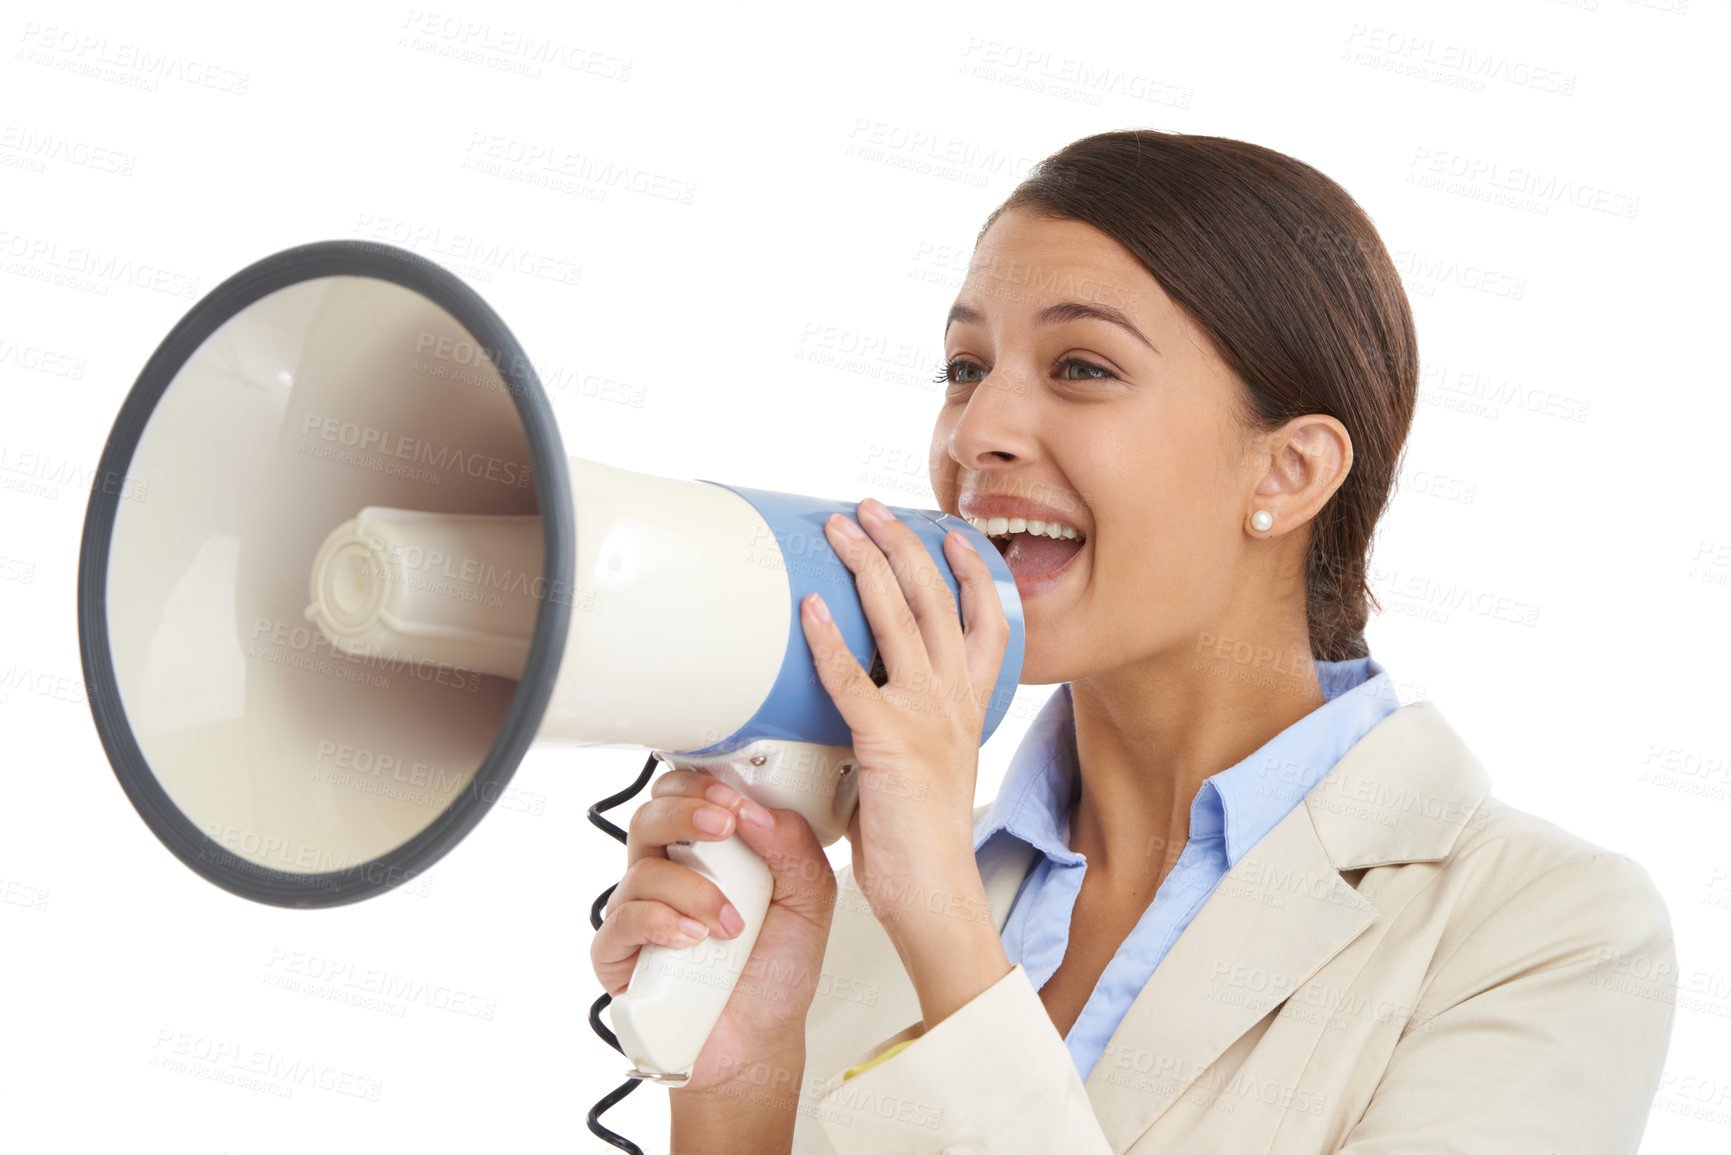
(956, 371)
(1094, 372)
(950, 372)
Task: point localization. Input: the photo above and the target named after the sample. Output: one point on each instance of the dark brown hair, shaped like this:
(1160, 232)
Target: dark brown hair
(1288, 278)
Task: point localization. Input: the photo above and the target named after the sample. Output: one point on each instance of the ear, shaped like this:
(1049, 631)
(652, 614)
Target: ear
(1299, 466)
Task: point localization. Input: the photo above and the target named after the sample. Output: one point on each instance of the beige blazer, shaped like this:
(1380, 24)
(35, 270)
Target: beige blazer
(1403, 964)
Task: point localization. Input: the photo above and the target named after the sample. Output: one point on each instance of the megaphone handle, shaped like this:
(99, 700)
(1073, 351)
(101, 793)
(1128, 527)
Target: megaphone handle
(677, 994)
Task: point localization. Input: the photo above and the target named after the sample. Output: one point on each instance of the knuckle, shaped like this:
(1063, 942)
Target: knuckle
(616, 924)
(663, 878)
(645, 830)
(627, 885)
(628, 920)
(673, 783)
(637, 919)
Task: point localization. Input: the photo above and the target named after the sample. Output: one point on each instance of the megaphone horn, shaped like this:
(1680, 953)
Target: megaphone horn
(367, 576)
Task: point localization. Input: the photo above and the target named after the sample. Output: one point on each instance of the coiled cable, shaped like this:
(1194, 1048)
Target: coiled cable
(600, 1004)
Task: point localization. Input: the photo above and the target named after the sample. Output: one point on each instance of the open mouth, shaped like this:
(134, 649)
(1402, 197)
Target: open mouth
(1030, 549)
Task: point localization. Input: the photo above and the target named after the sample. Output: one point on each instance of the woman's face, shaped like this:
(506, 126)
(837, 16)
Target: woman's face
(1131, 440)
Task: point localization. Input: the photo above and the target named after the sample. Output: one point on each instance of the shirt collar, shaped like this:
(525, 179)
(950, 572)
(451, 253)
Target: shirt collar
(1243, 802)
(1033, 803)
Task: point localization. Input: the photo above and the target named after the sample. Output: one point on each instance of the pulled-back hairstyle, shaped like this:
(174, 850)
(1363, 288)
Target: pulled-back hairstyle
(1288, 278)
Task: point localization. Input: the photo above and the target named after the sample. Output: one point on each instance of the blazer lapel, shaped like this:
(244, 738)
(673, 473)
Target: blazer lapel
(1403, 793)
(1276, 918)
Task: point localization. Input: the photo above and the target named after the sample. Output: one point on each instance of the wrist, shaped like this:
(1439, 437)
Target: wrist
(776, 1066)
(764, 1077)
(751, 1109)
(926, 896)
(950, 961)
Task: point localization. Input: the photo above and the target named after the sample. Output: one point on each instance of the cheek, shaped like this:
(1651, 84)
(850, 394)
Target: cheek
(1166, 553)
(940, 468)
(1188, 489)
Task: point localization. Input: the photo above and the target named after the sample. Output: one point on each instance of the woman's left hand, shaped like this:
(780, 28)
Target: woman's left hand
(917, 737)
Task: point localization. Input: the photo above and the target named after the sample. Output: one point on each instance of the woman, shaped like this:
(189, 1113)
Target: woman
(1232, 896)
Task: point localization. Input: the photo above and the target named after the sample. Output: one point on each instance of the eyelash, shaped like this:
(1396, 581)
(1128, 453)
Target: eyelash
(947, 370)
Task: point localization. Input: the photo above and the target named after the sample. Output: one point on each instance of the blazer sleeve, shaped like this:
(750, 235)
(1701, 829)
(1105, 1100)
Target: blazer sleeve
(994, 1076)
(1544, 1030)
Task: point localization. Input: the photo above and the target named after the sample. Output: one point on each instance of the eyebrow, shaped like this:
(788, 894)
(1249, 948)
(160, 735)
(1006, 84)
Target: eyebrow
(1054, 314)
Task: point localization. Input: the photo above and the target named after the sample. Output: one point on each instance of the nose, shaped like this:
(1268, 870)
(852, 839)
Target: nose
(995, 428)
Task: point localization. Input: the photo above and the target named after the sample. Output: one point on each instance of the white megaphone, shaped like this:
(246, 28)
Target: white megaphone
(338, 573)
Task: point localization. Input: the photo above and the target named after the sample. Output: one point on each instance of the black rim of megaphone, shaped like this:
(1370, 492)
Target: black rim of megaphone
(193, 846)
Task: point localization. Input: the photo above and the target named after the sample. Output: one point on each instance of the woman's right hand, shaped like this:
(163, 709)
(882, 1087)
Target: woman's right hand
(661, 902)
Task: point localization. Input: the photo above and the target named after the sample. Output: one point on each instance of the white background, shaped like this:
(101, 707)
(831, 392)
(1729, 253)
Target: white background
(767, 310)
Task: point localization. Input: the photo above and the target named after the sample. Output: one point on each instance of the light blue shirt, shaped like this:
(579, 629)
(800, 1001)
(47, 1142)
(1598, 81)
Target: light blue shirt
(1230, 813)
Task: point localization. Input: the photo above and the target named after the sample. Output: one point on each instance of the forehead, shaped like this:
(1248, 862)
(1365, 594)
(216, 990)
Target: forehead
(1026, 259)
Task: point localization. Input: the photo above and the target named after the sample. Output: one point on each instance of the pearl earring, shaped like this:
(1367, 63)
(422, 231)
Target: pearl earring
(1262, 519)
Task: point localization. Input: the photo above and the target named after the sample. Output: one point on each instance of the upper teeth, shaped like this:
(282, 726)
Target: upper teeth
(999, 526)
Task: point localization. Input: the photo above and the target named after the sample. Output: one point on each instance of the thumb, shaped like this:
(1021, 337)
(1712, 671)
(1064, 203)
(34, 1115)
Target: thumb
(804, 879)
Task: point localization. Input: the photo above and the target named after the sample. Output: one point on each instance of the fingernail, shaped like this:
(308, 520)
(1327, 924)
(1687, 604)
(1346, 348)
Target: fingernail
(818, 609)
(876, 508)
(755, 814)
(710, 820)
(961, 539)
(692, 929)
(730, 920)
(849, 526)
(722, 794)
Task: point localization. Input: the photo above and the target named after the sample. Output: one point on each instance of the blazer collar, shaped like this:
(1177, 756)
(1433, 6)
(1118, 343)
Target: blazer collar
(1403, 793)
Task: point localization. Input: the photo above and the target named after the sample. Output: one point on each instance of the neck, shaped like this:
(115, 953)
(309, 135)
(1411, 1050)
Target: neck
(1149, 734)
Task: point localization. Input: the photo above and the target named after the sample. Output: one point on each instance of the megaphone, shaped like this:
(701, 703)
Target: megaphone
(338, 573)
